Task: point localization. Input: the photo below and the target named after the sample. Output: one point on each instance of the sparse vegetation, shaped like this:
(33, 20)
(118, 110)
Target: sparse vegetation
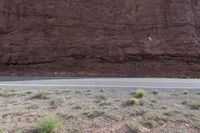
(142, 111)
(66, 91)
(57, 92)
(140, 93)
(7, 94)
(153, 121)
(34, 106)
(78, 92)
(192, 104)
(78, 107)
(132, 101)
(98, 111)
(19, 130)
(12, 90)
(29, 92)
(48, 124)
(41, 96)
(183, 120)
(172, 113)
(57, 102)
(101, 98)
(134, 127)
(95, 114)
(77, 128)
(105, 103)
(67, 98)
(150, 123)
(154, 101)
(88, 92)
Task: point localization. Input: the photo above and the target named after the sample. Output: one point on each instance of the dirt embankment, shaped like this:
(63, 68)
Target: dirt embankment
(105, 38)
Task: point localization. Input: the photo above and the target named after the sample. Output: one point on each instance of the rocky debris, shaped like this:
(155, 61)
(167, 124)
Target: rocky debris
(100, 38)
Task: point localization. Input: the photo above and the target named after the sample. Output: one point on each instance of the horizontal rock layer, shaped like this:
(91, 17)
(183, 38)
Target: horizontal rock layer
(154, 38)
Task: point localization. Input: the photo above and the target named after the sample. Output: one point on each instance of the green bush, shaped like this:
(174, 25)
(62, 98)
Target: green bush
(140, 93)
(48, 124)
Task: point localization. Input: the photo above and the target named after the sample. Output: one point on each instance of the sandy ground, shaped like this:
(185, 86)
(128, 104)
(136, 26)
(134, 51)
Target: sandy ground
(101, 110)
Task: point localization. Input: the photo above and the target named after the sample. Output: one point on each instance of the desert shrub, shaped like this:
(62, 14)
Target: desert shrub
(140, 93)
(132, 101)
(192, 104)
(48, 124)
(57, 102)
(153, 121)
(142, 111)
(41, 96)
(95, 114)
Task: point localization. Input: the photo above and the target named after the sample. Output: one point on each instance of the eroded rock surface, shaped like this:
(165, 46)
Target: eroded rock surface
(100, 37)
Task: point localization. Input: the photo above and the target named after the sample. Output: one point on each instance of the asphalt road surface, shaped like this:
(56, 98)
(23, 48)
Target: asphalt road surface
(66, 82)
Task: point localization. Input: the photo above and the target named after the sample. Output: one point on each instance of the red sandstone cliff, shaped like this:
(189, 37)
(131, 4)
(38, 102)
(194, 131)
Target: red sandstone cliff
(100, 37)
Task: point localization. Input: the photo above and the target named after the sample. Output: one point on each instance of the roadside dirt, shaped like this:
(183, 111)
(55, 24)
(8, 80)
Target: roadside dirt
(101, 110)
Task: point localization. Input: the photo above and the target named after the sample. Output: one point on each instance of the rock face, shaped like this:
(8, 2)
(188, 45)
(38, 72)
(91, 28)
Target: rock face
(100, 37)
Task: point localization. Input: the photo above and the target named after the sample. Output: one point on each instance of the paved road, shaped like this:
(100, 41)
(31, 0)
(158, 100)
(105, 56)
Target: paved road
(52, 82)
